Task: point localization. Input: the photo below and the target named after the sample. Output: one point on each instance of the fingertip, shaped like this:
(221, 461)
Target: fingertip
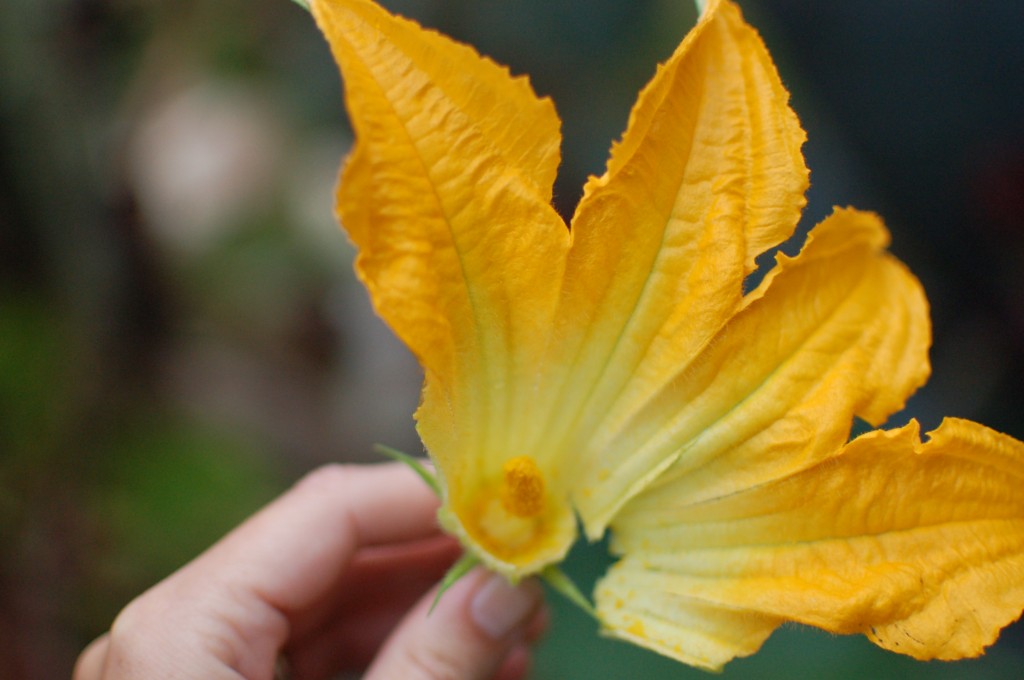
(470, 634)
(539, 624)
(90, 663)
(498, 608)
(517, 664)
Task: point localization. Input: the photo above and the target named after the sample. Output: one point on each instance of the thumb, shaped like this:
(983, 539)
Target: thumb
(474, 626)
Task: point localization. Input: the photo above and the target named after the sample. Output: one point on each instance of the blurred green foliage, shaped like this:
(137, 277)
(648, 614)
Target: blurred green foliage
(160, 476)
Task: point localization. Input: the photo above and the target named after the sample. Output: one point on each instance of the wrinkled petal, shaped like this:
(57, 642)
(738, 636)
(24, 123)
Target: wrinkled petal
(622, 368)
(841, 330)
(919, 546)
(446, 196)
(708, 175)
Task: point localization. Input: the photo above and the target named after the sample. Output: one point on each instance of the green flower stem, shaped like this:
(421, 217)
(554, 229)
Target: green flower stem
(457, 571)
(559, 581)
(417, 467)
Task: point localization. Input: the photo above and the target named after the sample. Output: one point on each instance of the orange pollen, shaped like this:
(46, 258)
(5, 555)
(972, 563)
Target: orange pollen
(522, 489)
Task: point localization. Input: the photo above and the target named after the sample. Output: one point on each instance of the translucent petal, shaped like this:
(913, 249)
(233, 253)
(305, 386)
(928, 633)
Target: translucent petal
(840, 330)
(919, 546)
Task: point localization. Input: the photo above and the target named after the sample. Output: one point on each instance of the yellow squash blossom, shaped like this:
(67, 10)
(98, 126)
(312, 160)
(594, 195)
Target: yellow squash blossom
(615, 372)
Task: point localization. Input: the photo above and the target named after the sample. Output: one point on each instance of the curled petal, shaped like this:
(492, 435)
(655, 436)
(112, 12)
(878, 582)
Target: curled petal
(918, 546)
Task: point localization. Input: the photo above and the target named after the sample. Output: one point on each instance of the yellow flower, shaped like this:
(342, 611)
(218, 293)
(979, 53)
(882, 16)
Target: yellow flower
(616, 372)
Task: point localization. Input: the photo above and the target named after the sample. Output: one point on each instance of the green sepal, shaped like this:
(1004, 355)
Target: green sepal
(457, 571)
(417, 467)
(560, 582)
(304, 4)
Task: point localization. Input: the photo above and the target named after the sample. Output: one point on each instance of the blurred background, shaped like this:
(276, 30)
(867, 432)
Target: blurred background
(181, 336)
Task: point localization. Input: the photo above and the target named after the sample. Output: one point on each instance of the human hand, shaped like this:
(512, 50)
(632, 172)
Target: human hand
(326, 575)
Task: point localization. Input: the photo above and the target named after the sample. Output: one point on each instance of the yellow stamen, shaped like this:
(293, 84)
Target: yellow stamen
(522, 490)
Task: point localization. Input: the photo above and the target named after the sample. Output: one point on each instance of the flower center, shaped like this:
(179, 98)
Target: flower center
(516, 521)
(522, 488)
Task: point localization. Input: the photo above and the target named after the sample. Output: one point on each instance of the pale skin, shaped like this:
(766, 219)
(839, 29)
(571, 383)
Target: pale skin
(338, 574)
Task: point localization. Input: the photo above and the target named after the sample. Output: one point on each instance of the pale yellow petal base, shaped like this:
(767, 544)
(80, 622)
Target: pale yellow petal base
(515, 522)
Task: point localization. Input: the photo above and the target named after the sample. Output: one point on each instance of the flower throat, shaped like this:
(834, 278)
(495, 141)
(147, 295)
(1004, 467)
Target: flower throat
(522, 487)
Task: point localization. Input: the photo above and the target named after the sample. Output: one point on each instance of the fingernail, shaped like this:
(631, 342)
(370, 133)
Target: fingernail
(498, 607)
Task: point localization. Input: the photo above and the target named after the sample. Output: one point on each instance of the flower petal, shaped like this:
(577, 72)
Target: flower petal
(919, 546)
(447, 197)
(708, 175)
(715, 115)
(840, 330)
(523, 127)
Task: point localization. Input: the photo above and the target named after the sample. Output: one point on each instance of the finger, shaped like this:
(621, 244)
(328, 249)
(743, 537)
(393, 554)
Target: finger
(90, 664)
(292, 552)
(468, 635)
(519, 661)
(230, 611)
(379, 576)
(516, 665)
(538, 625)
(380, 587)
